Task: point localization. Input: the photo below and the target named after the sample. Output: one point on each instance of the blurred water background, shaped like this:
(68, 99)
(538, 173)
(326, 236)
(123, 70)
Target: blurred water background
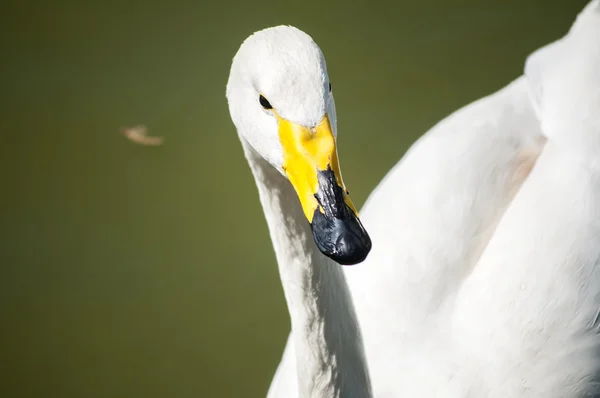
(133, 271)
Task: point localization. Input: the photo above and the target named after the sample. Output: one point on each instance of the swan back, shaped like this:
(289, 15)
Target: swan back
(564, 79)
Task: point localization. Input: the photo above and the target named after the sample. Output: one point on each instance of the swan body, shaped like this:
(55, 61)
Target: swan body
(542, 264)
(482, 278)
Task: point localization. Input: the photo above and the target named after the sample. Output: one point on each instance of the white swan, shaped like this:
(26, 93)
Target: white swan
(430, 220)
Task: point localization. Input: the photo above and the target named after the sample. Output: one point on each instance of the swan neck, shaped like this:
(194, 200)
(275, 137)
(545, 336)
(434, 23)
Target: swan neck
(330, 357)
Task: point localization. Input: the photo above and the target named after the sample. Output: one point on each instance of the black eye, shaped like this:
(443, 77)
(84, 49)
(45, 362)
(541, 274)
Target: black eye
(329, 87)
(265, 104)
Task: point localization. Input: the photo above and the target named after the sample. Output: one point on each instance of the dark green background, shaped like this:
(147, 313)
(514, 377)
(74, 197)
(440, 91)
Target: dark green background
(130, 271)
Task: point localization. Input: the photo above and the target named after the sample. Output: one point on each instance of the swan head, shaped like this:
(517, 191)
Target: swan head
(564, 82)
(281, 102)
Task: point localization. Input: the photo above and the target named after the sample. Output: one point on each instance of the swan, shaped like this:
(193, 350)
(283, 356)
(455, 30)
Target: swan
(401, 322)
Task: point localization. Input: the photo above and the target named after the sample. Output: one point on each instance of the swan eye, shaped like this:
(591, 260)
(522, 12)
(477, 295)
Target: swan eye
(329, 87)
(265, 104)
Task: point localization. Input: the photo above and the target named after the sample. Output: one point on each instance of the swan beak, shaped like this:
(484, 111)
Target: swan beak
(311, 164)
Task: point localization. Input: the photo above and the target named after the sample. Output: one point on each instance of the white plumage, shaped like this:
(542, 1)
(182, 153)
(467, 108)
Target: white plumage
(483, 277)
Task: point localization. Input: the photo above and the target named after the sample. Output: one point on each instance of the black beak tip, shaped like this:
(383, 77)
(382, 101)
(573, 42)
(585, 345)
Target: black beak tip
(344, 241)
(351, 252)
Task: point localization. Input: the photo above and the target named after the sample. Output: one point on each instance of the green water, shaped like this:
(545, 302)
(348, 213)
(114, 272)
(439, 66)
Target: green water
(131, 271)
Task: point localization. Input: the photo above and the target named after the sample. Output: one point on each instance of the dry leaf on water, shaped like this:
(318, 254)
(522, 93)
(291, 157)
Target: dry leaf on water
(138, 134)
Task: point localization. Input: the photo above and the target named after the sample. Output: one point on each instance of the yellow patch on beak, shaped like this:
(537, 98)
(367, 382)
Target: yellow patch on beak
(306, 151)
